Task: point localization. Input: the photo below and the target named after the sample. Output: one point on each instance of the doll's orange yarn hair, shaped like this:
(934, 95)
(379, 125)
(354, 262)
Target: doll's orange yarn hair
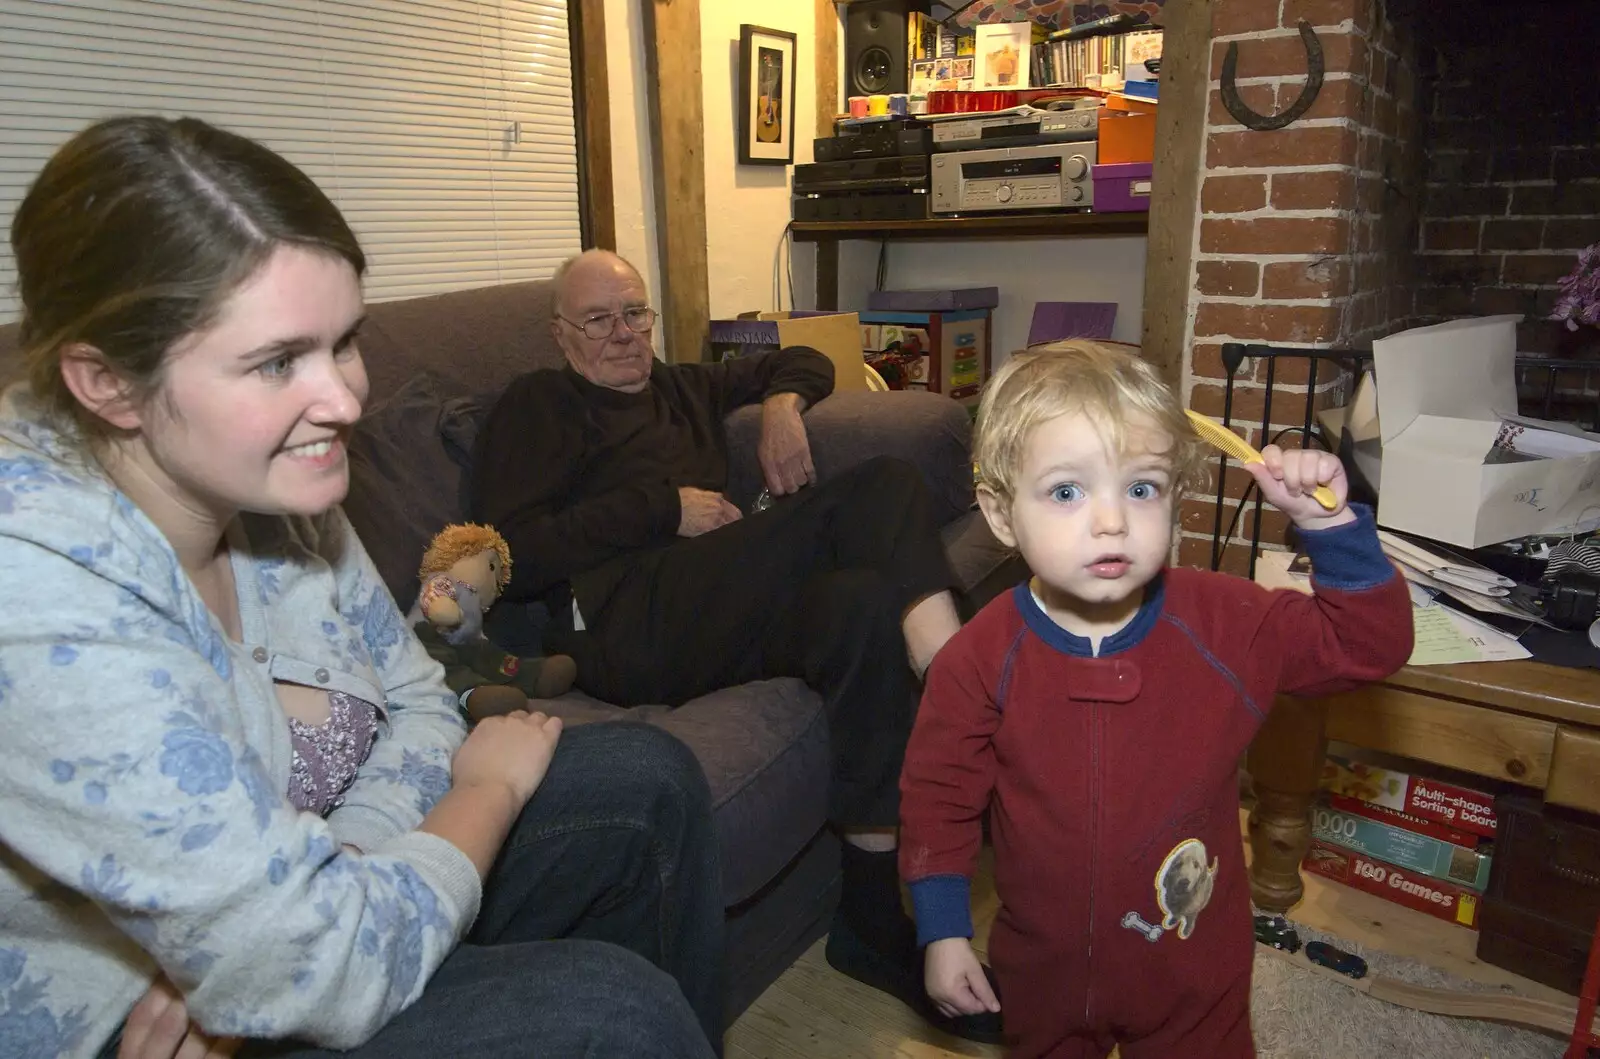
(460, 541)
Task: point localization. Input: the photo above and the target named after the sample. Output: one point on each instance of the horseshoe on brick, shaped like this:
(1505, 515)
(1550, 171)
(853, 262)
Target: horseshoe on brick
(1308, 95)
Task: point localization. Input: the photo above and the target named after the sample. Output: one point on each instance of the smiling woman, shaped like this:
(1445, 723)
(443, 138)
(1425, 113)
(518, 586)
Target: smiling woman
(262, 431)
(236, 748)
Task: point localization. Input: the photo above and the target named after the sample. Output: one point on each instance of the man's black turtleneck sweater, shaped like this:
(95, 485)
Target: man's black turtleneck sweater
(574, 475)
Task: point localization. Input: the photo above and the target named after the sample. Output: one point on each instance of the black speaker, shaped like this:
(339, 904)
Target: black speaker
(875, 45)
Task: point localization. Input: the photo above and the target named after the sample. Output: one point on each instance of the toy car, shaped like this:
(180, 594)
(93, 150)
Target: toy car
(1276, 931)
(1336, 959)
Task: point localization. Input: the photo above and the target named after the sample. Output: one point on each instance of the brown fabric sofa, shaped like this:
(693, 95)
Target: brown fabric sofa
(436, 364)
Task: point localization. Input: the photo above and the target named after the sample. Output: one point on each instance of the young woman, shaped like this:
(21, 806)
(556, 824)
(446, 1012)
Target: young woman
(238, 810)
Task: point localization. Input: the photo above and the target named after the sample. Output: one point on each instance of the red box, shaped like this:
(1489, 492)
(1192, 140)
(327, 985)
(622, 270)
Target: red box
(1422, 796)
(1415, 824)
(1412, 889)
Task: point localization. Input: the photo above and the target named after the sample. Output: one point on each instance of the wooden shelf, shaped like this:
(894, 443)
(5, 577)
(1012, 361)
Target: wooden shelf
(1009, 226)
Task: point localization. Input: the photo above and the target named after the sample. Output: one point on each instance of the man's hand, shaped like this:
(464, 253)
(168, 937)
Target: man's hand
(784, 450)
(955, 980)
(703, 511)
(158, 1027)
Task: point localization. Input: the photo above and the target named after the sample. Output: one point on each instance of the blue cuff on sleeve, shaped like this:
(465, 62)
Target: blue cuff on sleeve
(1348, 558)
(943, 905)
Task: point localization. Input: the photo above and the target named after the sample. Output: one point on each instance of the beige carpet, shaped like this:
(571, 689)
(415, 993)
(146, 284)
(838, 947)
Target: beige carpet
(1299, 1014)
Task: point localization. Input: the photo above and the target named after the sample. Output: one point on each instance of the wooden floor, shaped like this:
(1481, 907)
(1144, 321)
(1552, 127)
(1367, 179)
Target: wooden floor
(813, 1012)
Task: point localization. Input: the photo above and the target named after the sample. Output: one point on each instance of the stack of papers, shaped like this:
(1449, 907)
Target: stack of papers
(1444, 635)
(1442, 572)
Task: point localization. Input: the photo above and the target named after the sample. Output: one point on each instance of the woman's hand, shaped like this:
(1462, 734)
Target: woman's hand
(513, 750)
(158, 1027)
(493, 775)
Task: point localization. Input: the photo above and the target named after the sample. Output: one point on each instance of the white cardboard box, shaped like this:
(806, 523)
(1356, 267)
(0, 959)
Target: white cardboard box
(1358, 419)
(1445, 394)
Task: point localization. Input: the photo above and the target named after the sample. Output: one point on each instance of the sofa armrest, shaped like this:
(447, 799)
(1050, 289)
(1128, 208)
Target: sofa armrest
(925, 429)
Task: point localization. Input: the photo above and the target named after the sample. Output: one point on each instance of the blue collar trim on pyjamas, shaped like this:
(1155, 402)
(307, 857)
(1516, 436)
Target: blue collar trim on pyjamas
(1125, 638)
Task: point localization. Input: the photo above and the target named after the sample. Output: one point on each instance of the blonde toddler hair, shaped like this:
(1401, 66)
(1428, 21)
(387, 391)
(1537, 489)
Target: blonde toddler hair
(1107, 382)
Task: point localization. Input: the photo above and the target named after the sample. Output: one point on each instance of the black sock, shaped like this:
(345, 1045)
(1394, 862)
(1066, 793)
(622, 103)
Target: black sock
(870, 903)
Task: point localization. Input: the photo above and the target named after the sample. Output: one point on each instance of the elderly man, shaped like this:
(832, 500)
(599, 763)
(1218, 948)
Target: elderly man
(607, 479)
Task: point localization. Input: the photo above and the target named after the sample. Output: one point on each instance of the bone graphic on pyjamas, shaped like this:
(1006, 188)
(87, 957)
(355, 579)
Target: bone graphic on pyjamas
(1133, 921)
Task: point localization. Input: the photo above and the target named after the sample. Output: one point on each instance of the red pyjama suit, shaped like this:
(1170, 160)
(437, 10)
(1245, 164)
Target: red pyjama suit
(1112, 788)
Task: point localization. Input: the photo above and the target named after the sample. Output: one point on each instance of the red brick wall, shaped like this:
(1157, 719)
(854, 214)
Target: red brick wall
(1288, 249)
(1449, 167)
(1388, 187)
(1512, 140)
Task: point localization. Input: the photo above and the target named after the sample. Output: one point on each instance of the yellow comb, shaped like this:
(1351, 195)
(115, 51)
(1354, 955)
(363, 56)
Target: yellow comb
(1240, 449)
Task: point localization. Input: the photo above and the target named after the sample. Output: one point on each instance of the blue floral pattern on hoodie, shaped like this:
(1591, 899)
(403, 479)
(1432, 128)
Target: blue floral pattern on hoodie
(144, 822)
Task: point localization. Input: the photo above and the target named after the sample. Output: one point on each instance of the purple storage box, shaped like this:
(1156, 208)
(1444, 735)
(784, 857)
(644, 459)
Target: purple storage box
(1123, 187)
(933, 301)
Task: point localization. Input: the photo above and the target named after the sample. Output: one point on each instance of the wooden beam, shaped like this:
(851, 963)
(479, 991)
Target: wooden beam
(677, 111)
(827, 66)
(593, 125)
(827, 293)
(1175, 189)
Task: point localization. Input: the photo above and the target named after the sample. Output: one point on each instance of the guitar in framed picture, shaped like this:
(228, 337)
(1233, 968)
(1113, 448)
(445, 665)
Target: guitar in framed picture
(766, 96)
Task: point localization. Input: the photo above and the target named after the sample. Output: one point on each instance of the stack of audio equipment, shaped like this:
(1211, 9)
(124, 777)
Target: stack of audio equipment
(1023, 160)
(1018, 160)
(878, 174)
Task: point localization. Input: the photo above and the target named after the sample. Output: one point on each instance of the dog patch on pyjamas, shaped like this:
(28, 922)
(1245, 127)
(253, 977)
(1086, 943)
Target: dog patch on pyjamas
(1183, 889)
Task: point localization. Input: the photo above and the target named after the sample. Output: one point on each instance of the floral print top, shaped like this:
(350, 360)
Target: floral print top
(145, 824)
(328, 756)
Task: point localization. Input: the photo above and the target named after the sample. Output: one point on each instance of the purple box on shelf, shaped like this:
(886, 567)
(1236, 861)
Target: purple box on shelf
(933, 301)
(1123, 187)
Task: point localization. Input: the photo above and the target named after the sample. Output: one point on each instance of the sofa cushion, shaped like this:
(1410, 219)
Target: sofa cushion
(925, 429)
(474, 340)
(460, 423)
(404, 486)
(764, 748)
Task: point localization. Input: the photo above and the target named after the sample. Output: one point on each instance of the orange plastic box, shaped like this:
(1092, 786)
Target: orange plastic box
(1126, 136)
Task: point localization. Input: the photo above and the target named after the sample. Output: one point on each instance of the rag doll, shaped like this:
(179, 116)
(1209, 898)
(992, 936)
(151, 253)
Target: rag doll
(462, 573)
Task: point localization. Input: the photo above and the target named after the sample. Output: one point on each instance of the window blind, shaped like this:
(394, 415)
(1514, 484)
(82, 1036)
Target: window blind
(442, 128)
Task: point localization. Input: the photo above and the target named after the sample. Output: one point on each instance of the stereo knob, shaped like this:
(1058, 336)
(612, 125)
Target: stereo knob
(1075, 193)
(1003, 193)
(1076, 167)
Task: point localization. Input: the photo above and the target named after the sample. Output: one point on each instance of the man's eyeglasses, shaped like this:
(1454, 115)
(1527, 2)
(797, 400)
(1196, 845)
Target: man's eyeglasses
(639, 319)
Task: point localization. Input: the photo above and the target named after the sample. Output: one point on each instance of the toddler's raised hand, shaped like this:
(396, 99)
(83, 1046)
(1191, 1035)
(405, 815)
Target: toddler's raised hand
(1287, 478)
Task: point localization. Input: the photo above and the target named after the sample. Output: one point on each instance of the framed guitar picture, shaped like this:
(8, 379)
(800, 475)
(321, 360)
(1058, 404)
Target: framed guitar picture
(766, 96)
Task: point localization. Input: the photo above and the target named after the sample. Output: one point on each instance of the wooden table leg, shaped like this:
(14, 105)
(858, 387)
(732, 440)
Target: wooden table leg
(828, 273)
(1284, 761)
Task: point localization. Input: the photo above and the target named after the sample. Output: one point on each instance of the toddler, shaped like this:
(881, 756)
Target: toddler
(1098, 711)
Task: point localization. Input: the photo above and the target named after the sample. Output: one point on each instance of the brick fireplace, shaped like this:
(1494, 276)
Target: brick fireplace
(1450, 166)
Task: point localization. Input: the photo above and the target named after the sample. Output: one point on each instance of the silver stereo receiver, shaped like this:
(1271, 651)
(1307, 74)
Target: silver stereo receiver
(1018, 129)
(1046, 177)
